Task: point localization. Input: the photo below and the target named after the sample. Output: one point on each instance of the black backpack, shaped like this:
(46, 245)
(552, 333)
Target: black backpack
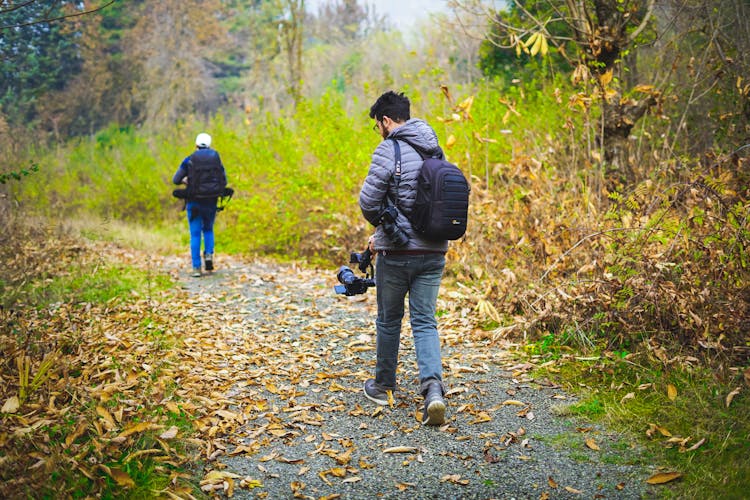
(441, 210)
(206, 176)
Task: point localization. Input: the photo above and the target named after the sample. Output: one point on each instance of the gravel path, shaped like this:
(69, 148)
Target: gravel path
(298, 426)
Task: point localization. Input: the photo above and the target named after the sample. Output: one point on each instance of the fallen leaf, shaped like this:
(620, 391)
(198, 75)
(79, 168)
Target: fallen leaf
(630, 395)
(121, 477)
(250, 483)
(139, 427)
(455, 479)
(695, 446)
(170, 433)
(671, 392)
(218, 475)
(663, 477)
(109, 421)
(552, 483)
(513, 402)
(80, 429)
(573, 490)
(731, 396)
(592, 444)
(480, 418)
(11, 405)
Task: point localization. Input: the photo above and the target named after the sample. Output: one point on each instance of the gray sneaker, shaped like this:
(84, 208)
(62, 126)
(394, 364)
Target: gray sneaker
(374, 394)
(196, 272)
(208, 260)
(434, 405)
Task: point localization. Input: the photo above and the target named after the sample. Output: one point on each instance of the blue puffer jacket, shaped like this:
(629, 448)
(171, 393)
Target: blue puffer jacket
(380, 182)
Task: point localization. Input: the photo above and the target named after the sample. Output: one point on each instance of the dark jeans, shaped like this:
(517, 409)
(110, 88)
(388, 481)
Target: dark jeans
(419, 276)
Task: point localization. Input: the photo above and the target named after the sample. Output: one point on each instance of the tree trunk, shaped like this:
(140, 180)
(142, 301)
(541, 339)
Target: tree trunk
(618, 118)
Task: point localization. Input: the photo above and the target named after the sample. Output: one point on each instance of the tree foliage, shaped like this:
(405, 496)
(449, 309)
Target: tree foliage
(36, 57)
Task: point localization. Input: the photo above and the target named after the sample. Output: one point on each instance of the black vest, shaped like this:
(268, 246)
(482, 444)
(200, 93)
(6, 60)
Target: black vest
(206, 177)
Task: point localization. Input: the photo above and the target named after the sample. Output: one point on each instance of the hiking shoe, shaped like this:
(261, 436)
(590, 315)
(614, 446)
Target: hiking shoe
(196, 272)
(208, 260)
(374, 394)
(434, 405)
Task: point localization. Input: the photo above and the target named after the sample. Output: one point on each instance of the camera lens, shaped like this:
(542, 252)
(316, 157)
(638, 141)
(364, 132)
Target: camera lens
(391, 228)
(346, 276)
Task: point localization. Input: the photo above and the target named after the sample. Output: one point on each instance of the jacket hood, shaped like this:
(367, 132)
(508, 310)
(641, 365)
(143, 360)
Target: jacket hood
(420, 135)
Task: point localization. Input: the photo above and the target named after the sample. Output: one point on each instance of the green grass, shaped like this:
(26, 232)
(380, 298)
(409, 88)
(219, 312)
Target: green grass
(633, 398)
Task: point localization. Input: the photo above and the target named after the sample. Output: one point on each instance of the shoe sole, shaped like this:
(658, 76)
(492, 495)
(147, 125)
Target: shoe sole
(381, 402)
(435, 413)
(209, 265)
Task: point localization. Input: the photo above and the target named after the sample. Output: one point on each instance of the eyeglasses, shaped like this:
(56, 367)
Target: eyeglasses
(376, 127)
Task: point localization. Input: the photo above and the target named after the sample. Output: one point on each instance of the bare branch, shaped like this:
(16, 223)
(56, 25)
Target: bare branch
(77, 14)
(644, 21)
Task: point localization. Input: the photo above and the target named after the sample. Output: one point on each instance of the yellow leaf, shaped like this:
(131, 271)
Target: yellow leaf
(109, 422)
(139, 427)
(465, 105)
(531, 40)
(172, 406)
(552, 483)
(545, 47)
(450, 141)
(80, 429)
(513, 402)
(663, 477)
(121, 478)
(605, 78)
(218, 475)
(11, 405)
(391, 401)
(481, 417)
(573, 490)
(592, 444)
(537, 45)
(671, 392)
(250, 483)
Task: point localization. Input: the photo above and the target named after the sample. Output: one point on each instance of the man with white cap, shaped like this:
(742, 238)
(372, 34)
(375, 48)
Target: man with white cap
(206, 181)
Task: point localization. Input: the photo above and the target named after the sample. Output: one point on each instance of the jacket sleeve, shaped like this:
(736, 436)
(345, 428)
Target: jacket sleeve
(182, 172)
(375, 187)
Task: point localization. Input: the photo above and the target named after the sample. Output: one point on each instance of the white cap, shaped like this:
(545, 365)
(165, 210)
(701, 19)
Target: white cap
(203, 140)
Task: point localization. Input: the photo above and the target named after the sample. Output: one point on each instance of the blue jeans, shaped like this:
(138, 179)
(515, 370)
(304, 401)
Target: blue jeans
(201, 216)
(419, 276)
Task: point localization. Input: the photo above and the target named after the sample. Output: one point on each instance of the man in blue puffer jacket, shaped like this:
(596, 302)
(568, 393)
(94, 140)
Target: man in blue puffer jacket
(415, 267)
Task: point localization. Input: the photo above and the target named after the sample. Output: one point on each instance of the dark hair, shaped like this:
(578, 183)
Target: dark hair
(394, 106)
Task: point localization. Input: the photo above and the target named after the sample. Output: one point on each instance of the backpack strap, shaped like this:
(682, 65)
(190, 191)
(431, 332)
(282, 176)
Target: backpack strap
(397, 170)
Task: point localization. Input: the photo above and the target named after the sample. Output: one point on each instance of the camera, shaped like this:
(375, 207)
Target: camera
(351, 284)
(394, 232)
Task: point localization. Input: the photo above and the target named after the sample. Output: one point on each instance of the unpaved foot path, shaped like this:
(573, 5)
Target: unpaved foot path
(284, 415)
